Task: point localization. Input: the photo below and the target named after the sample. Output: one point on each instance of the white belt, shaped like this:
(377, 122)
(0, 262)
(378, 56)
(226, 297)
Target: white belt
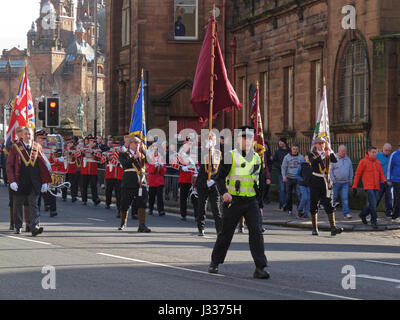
(318, 175)
(130, 170)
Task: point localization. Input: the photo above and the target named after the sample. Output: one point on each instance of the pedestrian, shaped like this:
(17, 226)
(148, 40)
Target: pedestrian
(238, 184)
(113, 174)
(268, 164)
(290, 164)
(91, 157)
(277, 160)
(342, 178)
(321, 160)
(72, 176)
(304, 176)
(387, 189)
(393, 176)
(370, 170)
(207, 189)
(133, 185)
(3, 161)
(156, 169)
(28, 176)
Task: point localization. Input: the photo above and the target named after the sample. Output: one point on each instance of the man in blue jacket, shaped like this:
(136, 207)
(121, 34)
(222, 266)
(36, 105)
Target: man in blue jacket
(386, 190)
(393, 177)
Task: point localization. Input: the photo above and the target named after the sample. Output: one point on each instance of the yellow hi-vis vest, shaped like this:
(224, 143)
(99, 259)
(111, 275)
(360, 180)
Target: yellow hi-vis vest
(243, 171)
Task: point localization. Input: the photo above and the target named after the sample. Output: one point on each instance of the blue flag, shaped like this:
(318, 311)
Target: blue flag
(138, 120)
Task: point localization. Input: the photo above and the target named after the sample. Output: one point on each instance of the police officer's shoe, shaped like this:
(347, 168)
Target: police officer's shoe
(143, 228)
(213, 268)
(53, 214)
(37, 231)
(336, 230)
(261, 273)
(201, 233)
(315, 232)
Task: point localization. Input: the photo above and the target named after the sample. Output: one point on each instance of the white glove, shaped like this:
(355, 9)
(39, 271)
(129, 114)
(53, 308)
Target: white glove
(210, 183)
(61, 159)
(186, 169)
(14, 186)
(44, 188)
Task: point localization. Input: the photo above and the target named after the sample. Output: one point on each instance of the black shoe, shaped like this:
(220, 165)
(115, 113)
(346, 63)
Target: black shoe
(300, 214)
(53, 214)
(201, 233)
(74, 199)
(162, 213)
(108, 206)
(27, 229)
(97, 202)
(143, 228)
(261, 273)
(18, 231)
(363, 219)
(375, 226)
(37, 231)
(213, 268)
(336, 230)
(183, 218)
(315, 232)
(263, 229)
(122, 227)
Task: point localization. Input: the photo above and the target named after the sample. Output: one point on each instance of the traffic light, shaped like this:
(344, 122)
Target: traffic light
(42, 111)
(52, 112)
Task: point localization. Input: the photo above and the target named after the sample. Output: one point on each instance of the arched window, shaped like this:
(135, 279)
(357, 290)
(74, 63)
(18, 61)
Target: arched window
(353, 83)
(126, 23)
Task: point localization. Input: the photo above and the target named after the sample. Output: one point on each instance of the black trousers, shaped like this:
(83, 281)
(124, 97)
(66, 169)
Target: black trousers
(183, 197)
(113, 185)
(4, 175)
(153, 193)
(171, 185)
(19, 201)
(248, 208)
(290, 186)
(318, 195)
(131, 196)
(73, 179)
(49, 200)
(92, 181)
(212, 195)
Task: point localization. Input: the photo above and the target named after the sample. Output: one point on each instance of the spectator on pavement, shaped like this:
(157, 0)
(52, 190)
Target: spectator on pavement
(370, 170)
(277, 160)
(393, 176)
(290, 164)
(342, 178)
(3, 161)
(386, 190)
(304, 175)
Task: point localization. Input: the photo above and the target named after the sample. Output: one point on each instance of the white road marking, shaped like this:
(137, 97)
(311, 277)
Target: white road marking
(158, 264)
(382, 262)
(96, 219)
(40, 242)
(366, 276)
(332, 295)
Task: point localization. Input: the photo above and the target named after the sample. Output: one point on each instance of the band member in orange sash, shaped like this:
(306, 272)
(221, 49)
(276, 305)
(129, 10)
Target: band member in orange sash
(28, 175)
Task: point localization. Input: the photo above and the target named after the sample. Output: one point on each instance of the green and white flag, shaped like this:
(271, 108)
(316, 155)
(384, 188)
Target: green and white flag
(322, 128)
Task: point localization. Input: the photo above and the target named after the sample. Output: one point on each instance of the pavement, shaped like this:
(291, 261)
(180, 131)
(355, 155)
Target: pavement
(272, 215)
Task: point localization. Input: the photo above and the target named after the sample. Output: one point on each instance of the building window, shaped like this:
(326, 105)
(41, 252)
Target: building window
(185, 19)
(353, 84)
(288, 120)
(316, 90)
(126, 23)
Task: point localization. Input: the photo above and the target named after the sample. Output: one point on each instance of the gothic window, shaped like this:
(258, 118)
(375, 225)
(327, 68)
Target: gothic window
(185, 19)
(126, 23)
(353, 84)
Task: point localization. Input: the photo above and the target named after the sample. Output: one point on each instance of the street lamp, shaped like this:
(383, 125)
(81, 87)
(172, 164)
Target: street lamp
(81, 113)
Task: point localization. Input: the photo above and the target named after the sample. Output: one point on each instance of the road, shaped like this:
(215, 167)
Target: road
(93, 260)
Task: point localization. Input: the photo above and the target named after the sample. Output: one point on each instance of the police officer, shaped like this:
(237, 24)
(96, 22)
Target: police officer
(321, 187)
(133, 185)
(207, 188)
(238, 183)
